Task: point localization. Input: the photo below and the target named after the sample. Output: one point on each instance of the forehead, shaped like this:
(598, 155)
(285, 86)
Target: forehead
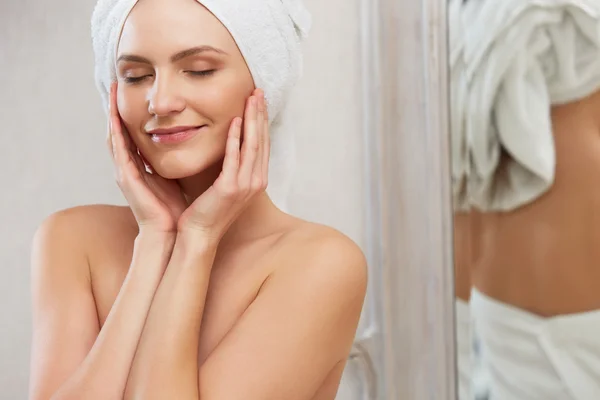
(172, 25)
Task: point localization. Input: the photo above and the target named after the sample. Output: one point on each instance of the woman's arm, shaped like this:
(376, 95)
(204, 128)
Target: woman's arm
(299, 328)
(297, 332)
(71, 357)
(166, 362)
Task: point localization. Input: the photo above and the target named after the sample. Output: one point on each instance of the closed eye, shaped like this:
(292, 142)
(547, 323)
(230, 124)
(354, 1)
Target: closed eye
(202, 73)
(135, 79)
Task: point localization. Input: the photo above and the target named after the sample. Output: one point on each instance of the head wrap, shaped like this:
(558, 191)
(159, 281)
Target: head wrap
(268, 33)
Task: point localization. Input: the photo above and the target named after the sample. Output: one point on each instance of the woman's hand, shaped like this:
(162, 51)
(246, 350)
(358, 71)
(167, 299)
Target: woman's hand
(244, 175)
(156, 202)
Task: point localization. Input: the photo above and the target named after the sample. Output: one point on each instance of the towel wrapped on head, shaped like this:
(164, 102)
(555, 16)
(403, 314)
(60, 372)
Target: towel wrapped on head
(269, 34)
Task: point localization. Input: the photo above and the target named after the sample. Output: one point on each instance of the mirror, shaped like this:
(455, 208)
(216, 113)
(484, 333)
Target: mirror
(525, 140)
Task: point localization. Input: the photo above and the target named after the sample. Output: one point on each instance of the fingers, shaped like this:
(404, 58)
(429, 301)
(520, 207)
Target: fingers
(127, 163)
(114, 124)
(117, 141)
(266, 143)
(231, 163)
(257, 169)
(145, 162)
(138, 159)
(250, 147)
(109, 134)
(245, 168)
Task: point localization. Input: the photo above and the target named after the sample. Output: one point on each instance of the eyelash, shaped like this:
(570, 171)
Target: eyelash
(138, 79)
(202, 73)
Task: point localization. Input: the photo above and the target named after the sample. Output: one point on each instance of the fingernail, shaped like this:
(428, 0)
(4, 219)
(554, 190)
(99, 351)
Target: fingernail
(238, 122)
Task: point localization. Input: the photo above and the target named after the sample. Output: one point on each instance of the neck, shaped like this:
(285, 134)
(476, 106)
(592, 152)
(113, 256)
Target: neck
(254, 222)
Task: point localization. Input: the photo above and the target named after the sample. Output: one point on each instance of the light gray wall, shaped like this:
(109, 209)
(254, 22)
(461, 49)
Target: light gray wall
(53, 154)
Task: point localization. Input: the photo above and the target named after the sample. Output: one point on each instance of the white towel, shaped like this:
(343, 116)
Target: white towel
(462, 329)
(510, 61)
(523, 356)
(269, 34)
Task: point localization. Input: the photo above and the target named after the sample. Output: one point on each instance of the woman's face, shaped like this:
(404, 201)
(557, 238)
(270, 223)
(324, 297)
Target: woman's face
(178, 66)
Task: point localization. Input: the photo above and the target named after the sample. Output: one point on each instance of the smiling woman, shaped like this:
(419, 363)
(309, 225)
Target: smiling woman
(164, 84)
(201, 288)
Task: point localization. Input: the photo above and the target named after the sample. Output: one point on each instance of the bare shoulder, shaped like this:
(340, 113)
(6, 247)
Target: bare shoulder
(322, 254)
(302, 323)
(86, 228)
(96, 215)
(97, 219)
(321, 241)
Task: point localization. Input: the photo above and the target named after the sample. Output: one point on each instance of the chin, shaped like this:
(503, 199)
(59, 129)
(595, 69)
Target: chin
(185, 167)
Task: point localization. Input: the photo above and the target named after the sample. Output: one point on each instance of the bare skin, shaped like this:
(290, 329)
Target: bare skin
(543, 257)
(104, 236)
(201, 288)
(462, 255)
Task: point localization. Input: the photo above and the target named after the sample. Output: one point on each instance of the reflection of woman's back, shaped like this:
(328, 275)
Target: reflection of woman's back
(534, 271)
(526, 162)
(543, 257)
(526, 150)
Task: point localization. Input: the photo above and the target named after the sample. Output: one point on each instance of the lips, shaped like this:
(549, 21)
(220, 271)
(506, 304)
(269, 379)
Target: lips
(173, 130)
(174, 135)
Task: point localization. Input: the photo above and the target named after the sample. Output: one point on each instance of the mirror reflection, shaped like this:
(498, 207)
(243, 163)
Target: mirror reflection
(525, 125)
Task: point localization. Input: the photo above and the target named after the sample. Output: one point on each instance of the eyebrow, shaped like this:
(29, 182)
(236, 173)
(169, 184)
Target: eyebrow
(174, 58)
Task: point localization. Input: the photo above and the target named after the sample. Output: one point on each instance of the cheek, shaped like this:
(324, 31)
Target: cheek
(226, 98)
(131, 109)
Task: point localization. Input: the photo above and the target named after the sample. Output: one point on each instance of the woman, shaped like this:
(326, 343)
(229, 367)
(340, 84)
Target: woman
(202, 288)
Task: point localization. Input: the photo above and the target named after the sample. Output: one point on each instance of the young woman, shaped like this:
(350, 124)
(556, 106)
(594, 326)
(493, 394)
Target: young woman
(201, 288)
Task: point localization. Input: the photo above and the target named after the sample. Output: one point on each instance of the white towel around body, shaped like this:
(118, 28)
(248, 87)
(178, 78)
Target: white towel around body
(522, 356)
(463, 348)
(510, 61)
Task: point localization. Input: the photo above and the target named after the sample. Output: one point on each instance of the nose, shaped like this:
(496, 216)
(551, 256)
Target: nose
(164, 99)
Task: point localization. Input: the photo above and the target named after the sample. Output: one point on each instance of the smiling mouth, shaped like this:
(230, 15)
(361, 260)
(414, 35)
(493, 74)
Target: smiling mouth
(173, 130)
(174, 135)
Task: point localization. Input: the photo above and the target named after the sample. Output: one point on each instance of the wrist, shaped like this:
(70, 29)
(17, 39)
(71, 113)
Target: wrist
(155, 240)
(198, 241)
(151, 252)
(155, 236)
